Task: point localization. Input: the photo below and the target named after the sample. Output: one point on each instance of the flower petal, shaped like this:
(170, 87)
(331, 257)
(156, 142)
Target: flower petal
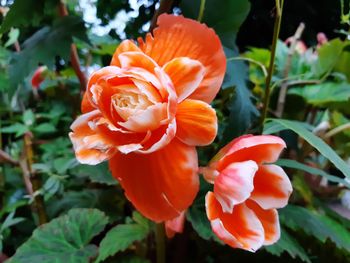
(90, 147)
(186, 74)
(269, 220)
(162, 184)
(86, 105)
(125, 46)
(272, 187)
(196, 122)
(260, 148)
(239, 229)
(235, 184)
(175, 225)
(177, 36)
(136, 59)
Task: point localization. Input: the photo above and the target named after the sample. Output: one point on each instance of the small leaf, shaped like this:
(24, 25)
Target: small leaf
(13, 36)
(290, 245)
(17, 128)
(64, 239)
(45, 128)
(121, 237)
(316, 142)
(10, 221)
(28, 117)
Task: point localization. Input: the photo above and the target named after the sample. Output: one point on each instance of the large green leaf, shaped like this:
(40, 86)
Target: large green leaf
(45, 45)
(25, 12)
(65, 239)
(323, 94)
(311, 170)
(315, 224)
(290, 245)
(122, 236)
(316, 142)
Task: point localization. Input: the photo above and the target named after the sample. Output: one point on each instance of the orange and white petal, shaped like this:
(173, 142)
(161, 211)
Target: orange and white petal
(269, 220)
(137, 60)
(272, 187)
(209, 173)
(162, 184)
(186, 75)
(90, 146)
(196, 122)
(86, 105)
(125, 46)
(239, 229)
(148, 119)
(260, 148)
(234, 184)
(175, 225)
(177, 36)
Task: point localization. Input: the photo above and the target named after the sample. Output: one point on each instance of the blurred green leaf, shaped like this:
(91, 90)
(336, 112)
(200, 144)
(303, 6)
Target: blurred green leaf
(45, 128)
(18, 128)
(97, 173)
(290, 245)
(315, 224)
(323, 94)
(316, 142)
(28, 117)
(13, 37)
(121, 237)
(42, 47)
(64, 239)
(311, 170)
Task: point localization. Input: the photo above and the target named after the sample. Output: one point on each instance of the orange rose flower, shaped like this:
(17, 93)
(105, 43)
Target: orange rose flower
(247, 191)
(147, 111)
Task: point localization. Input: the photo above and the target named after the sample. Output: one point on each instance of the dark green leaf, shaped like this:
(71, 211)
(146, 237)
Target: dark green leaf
(65, 239)
(42, 46)
(315, 224)
(311, 170)
(288, 244)
(121, 237)
(45, 128)
(316, 142)
(97, 173)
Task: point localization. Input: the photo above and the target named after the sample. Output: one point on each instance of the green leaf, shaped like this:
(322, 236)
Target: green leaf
(17, 128)
(288, 244)
(311, 170)
(317, 143)
(121, 237)
(323, 94)
(28, 117)
(19, 14)
(315, 224)
(200, 223)
(10, 221)
(64, 239)
(97, 173)
(13, 37)
(273, 127)
(42, 46)
(45, 128)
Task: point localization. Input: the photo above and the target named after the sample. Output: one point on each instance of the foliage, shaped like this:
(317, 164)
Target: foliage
(88, 217)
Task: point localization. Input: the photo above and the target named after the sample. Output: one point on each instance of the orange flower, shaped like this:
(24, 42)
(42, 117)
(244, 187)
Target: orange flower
(247, 191)
(148, 110)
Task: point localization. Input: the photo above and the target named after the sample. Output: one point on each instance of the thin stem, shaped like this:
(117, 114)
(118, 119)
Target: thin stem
(35, 180)
(201, 11)
(262, 67)
(337, 130)
(276, 31)
(164, 7)
(160, 242)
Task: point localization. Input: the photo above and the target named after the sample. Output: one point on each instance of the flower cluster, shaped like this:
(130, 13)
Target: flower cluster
(146, 113)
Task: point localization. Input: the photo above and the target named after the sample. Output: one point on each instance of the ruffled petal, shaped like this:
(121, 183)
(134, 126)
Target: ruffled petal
(125, 46)
(136, 59)
(86, 105)
(260, 148)
(175, 225)
(162, 184)
(196, 122)
(186, 74)
(177, 36)
(239, 229)
(235, 184)
(272, 187)
(90, 147)
(269, 220)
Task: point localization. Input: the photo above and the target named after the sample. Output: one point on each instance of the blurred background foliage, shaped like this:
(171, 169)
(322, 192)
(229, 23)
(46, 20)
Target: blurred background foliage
(89, 218)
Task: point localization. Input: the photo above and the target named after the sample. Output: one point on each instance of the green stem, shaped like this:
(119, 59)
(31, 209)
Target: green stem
(276, 31)
(160, 242)
(201, 11)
